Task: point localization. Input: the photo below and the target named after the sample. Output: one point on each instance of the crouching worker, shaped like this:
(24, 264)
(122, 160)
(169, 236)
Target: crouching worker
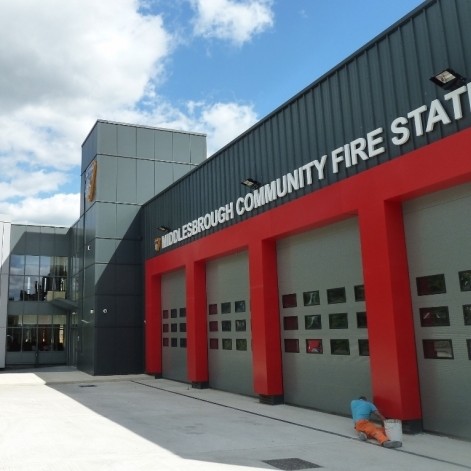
(362, 410)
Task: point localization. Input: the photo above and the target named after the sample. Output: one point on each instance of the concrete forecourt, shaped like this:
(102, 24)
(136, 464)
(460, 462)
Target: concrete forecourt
(60, 418)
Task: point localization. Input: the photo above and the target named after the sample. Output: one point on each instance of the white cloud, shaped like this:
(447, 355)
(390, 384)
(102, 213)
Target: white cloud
(221, 122)
(29, 183)
(78, 51)
(225, 121)
(236, 21)
(66, 64)
(57, 210)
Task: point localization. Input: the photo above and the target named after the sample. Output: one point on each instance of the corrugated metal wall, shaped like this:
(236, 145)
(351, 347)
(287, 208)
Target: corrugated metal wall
(386, 79)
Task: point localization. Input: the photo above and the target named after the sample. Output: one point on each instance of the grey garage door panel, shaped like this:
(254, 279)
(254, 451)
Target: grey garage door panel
(323, 364)
(229, 333)
(438, 228)
(174, 352)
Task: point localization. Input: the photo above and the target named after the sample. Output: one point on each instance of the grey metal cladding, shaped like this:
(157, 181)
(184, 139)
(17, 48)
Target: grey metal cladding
(33, 240)
(105, 220)
(39, 240)
(106, 178)
(127, 221)
(89, 148)
(126, 191)
(145, 143)
(163, 145)
(197, 149)
(181, 147)
(127, 141)
(163, 175)
(145, 180)
(107, 140)
(18, 238)
(386, 79)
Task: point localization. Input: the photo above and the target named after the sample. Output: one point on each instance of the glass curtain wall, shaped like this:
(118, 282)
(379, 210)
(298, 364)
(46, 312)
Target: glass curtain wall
(37, 278)
(44, 333)
(38, 326)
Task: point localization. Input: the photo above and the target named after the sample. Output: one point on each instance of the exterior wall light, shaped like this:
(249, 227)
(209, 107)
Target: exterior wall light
(448, 79)
(251, 183)
(164, 229)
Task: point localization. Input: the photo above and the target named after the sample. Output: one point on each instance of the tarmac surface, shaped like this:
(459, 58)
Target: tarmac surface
(63, 419)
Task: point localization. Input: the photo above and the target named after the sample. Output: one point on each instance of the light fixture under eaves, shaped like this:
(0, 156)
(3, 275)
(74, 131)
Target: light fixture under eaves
(448, 79)
(251, 183)
(164, 229)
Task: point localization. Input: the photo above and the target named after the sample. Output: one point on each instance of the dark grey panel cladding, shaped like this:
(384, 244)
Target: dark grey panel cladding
(39, 240)
(89, 147)
(386, 79)
(120, 350)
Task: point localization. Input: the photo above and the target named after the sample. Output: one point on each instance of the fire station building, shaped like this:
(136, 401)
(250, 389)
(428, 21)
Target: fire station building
(321, 255)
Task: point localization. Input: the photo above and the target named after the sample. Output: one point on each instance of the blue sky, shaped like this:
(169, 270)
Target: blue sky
(211, 66)
(307, 38)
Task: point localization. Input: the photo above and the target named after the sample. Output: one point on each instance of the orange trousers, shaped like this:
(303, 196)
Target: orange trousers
(371, 430)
